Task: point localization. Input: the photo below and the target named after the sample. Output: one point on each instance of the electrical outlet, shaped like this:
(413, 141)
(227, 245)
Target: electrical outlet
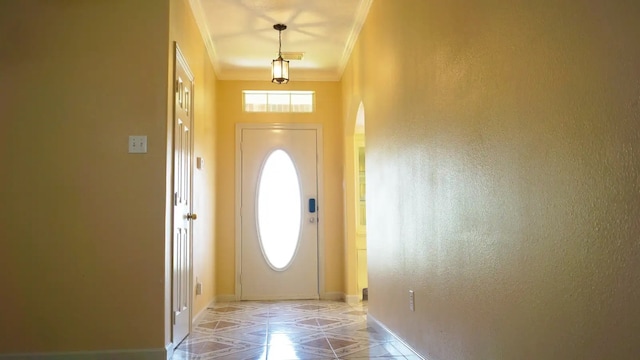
(412, 301)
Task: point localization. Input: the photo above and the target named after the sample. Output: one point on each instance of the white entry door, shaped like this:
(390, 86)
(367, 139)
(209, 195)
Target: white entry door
(182, 205)
(279, 222)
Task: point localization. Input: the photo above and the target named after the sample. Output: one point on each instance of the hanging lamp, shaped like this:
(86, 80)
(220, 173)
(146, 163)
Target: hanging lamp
(280, 66)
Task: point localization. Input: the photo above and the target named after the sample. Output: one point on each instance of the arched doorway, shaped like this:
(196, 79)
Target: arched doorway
(360, 206)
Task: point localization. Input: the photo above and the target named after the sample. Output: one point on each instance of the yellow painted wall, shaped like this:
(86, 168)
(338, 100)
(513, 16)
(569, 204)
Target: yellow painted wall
(502, 171)
(328, 113)
(184, 31)
(82, 221)
(84, 231)
(351, 99)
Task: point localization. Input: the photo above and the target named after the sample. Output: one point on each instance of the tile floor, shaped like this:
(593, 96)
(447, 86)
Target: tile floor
(288, 330)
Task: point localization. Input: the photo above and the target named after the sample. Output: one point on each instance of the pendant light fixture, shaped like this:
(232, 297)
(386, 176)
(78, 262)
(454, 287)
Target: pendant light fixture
(280, 66)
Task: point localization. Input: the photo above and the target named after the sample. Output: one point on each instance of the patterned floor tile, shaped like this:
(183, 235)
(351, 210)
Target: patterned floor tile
(252, 354)
(376, 351)
(402, 348)
(307, 351)
(347, 345)
(213, 346)
(326, 323)
(294, 337)
(226, 324)
(181, 355)
(205, 347)
(289, 330)
(363, 331)
(254, 334)
(288, 327)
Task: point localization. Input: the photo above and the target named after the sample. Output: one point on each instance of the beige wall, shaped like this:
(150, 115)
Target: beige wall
(84, 228)
(503, 169)
(184, 31)
(328, 110)
(82, 221)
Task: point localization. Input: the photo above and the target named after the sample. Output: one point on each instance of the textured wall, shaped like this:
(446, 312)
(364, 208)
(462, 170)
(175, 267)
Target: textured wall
(503, 176)
(81, 220)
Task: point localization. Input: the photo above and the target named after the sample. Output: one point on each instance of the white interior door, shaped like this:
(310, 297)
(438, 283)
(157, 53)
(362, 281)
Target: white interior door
(279, 222)
(182, 206)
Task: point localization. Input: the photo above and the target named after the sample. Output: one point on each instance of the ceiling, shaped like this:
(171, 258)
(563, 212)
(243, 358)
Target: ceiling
(240, 38)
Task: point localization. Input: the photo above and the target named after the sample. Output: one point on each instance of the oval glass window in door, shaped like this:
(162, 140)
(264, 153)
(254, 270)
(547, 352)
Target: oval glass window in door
(279, 209)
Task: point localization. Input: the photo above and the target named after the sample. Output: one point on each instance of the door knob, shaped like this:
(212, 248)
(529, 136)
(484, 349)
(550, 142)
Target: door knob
(192, 216)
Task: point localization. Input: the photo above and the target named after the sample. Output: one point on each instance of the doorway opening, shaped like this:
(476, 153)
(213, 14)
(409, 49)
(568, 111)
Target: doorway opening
(360, 206)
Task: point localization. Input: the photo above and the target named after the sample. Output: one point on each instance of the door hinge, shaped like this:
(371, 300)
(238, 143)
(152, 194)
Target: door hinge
(175, 314)
(175, 199)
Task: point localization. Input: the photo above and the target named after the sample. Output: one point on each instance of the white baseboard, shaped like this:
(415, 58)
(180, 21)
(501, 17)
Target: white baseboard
(352, 299)
(375, 322)
(170, 348)
(202, 312)
(147, 354)
(225, 298)
(334, 296)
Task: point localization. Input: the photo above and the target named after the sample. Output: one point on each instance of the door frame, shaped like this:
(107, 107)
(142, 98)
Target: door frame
(238, 196)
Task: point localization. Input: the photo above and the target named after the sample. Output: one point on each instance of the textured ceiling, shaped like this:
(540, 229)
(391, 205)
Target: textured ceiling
(241, 39)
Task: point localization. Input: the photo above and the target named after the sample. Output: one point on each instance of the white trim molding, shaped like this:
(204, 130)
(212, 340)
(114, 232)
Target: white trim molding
(170, 349)
(352, 299)
(201, 21)
(376, 323)
(361, 17)
(201, 313)
(226, 298)
(333, 296)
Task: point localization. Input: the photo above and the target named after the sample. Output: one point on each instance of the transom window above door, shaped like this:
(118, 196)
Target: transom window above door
(278, 101)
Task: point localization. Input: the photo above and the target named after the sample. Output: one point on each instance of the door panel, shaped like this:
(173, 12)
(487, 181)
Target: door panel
(260, 280)
(182, 184)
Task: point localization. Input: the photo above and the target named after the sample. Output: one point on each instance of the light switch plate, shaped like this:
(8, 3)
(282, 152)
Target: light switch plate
(138, 144)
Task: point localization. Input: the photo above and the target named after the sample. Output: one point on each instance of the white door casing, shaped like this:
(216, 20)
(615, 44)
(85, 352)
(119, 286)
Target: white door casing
(256, 278)
(182, 199)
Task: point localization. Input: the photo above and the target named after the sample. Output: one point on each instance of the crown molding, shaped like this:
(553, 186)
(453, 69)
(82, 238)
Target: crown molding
(361, 17)
(201, 21)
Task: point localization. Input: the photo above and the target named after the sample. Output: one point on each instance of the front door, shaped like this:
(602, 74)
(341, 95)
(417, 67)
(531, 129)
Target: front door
(182, 205)
(279, 222)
